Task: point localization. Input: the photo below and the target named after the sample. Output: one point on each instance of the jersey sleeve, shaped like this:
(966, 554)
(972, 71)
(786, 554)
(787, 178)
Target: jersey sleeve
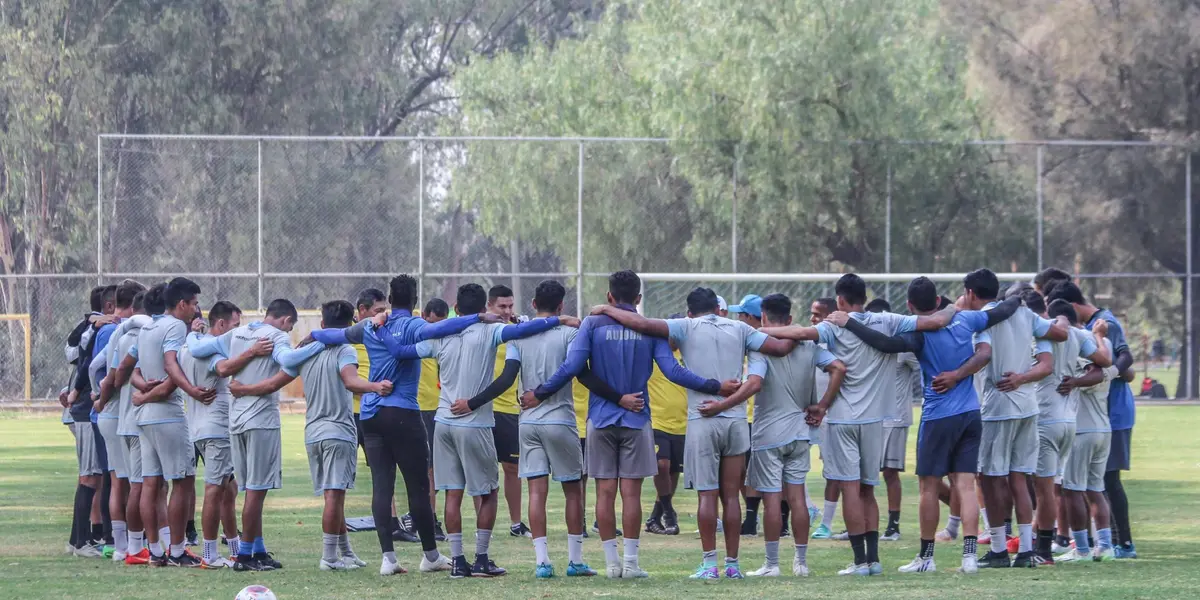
(903, 324)
(756, 364)
(678, 329)
(982, 337)
(1116, 336)
(206, 347)
(825, 334)
(754, 338)
(1040, 325)
(976, 320)
(347, 355)
(426, 349)
(1041, 346)
(824, 358)
(175, 336)
(1087, 345)
(511, 352)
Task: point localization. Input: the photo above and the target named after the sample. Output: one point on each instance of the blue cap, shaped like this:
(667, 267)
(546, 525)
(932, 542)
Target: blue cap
(751, 304)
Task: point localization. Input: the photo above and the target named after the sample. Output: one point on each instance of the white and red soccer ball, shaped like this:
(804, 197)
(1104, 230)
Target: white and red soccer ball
(255, 592)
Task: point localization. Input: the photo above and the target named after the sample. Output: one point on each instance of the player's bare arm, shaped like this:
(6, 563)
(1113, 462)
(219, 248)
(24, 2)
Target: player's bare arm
(946, 381)
(358, 385)
(268, 386)
(232, 366)
(793, 332)
(837, 374)
(1040, 370)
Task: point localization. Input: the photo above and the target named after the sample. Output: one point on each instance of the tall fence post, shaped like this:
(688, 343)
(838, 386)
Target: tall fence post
(734, 226)
(99, 210)
(887, 233)
(579, 239)
(1191, 300)
(421, 219)
(1041, 150)
(261, 307)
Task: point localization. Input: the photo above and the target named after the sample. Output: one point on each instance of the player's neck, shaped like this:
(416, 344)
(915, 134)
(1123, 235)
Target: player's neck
(1085, 312)
(545, 315)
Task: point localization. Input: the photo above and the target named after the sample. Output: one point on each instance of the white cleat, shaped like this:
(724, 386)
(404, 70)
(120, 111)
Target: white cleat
(970, 565)
(765, 571)
(118, 556)
(391, 568)
(70, 549)
(441, 564)
(945, 536)
(840, 537)
(614, 571)
(89, 551)
(1055, 548)
(799, 569)
(629, 572)
(1072, 555)
(862, 570)
(336, 565)
(352, 561)
(919, 565)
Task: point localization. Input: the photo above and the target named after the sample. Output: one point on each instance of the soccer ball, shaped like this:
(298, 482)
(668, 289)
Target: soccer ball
(255, 592)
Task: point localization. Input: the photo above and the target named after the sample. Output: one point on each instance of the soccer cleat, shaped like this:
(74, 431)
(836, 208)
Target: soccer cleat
(217, 563)
(580, 570)
(984, 539)
(544, 571)
(159, 561)
(1043, 561)
(750, 525)
(875, 568)
(720, 526)
(614, 571)
(919, 565)
(1057, 548)
(1013, 545)
(108, 550)
(995, 560)
(485, 567)
(443, 563)
(352, 561)
(670, 522)
(1103, 554)
(970, 565)
(708, 574)
(119, 556)
(70, 549)
(89, 551)
(945, 536)
(799, 569)
(596, 529)
(862, 570)
(268, 560)
(520, 530)
(141, 557)
(765, 571)
(186, 560)
(191, 539)
(891, 535)
(586, 535)
(814, 514)
(1024, 560)
(1072, 555)
(335, 565)
(821, 533)
(387, 567)
(841, 537)
(733, 571)
(1125, 551)
(785, 531)
(401, 534)
(655, 527)
(628, 572)
(246, 565)
(460, 568)
(438, 533)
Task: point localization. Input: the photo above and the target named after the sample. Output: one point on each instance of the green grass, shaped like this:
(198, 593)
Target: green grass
(37, 480)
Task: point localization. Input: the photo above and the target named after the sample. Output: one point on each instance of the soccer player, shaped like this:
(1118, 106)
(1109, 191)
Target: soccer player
(1009, 447)
(749, 311)
(669, 422)
(718, 437)
(818, 310)
(392, 427)
(853, 444)
(1083, 479)
(436, 310)
(620, 441)
(779, 442)
(1120, 412)
(508, 443)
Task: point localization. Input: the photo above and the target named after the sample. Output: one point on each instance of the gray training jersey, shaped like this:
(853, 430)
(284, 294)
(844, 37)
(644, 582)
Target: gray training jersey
(540, 357)
(127, 414)
(1052, 406)
(788, 387)
(164, 334)
(1093, 402)
(466, 365)
(870, 374)
(1012, 348)
(899, 412)
(255, 412)
(714, 348)
(330, 406)
(205, 421)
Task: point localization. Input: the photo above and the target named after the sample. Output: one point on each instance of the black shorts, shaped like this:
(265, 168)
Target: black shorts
(583, 448)
(427, 419)
(507, 435)
(949, 445)
(1120, 450)
(669, 446)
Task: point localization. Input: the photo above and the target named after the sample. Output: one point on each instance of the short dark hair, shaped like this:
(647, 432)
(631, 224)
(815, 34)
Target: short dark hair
(96, 298)
(1067, 290)
(852, 289)
(677, 316)
(549, 295)
(829, 305)
(923, 294)
(155, 300)
(777, 307)
(983, 282)
(180, 289)
(403, 290)
(878, 305)
(437, 307)
(1058, 306)
(108, 295)
(471, 299)
(223, 309)
(1033, 301)
(702, 300)
(139, 303)
(943, 302)
(369, 297)
(624, 286)
(499, 291)
(282, 307)
(1018, 288)
(337, 314)
(1050, 277)
(126, 293)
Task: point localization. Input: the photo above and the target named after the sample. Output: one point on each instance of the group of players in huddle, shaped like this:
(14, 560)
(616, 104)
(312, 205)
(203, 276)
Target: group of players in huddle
(1017, 398)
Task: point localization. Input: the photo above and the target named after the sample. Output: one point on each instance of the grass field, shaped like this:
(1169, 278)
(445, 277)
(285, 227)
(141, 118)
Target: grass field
(37, 480)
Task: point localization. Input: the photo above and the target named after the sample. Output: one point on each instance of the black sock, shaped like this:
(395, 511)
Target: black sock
(191, 527)
(97, 531)
(1062, 540)
(785, 510)
(752, 506)
(666, 504)
(1008, 527)
(893, 521)
(105, 516)
(74, 541)
(872, 546)
(1091, 541)
(83, 511)
(857, 543)
(657, 512)
(970, 545)
(1044, 538)
(926, 548)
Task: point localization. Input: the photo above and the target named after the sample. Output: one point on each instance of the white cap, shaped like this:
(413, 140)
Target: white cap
(722, 304)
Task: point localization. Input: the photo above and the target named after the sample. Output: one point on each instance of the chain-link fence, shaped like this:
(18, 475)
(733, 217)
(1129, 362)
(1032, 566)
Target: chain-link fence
(311, 219)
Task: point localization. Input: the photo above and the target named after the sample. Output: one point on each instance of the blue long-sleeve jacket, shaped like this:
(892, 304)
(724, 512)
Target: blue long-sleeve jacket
(508, 333)
(623, 359)
(402, 329)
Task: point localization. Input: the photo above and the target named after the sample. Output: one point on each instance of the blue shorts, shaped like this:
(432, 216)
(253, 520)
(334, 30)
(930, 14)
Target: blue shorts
(949, 445)
(1118, 454)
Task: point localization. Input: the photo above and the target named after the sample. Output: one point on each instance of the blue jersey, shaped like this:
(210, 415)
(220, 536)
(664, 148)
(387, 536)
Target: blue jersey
(1120, 397)
(946, 350)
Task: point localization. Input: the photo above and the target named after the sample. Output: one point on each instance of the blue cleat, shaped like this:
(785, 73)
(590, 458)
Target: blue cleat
(708, 574)
(580, 570)
(1122, 551)
(544, 571)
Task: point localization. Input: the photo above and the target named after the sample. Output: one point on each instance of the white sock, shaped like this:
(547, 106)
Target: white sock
(540, 550)
(631, 552)
(456, 545)
(235, 546)
(983, 516)
(210, 553)
(1025, 532)
(344, 545)
(329, 547)
(156, 548)
(808, 499)
(137, 541)
(176, 551)
(389, 557)
(772, 553)
(610, 553)
(952, 526)
(120, 533)
(830, 511)
(999, 541)
(575, 548)
(483, 539)
(164, 536)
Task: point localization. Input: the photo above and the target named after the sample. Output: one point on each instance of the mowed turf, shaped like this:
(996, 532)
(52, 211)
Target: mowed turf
(38, 474)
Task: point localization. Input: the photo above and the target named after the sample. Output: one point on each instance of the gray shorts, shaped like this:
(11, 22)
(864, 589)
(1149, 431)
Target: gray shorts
(85, 449)
(895, 448)
(770, 468)
(708, 441)
(332, 464)
(257, 459)
(217, 455)
(131, 452)
(621, 452)
(853, 452)
(1054, 446)
(167, 452)
(1087, 462)
(112, 444)
(547, 449)
(464, 458)
(1009, 446)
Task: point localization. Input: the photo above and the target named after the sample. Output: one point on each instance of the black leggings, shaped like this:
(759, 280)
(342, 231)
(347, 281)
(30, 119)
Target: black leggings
(1120, 507)
(395, 438)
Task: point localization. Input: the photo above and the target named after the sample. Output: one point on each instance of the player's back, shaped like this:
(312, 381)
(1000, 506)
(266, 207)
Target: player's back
(329, 406)
(714, 348)
(899, 411)
(466, 364)
(255, 412)
(210, 420)
(163, 334)
(668, 401)
(945, 350)
(1052, 406)
(540, 357)
(1093, 402)
(127, 414)
(870, 374)
(1012, 351)
(788, 388)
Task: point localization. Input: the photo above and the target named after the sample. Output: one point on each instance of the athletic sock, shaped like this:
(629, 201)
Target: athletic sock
(344, 545)
(456, 544)
(483, 539)
(830, 511)
(970, 545)
(209, 553)
(893, 521)
(1008, 528)
(120, 535)
(926, 549)
(164, 536)
(808, 499)
(83, 510)
(1104, 538)
(1081, 541)
(156, 548)
(540, 551)
(1025, 532)
(773, 553)
(656, 514)
(752, 507)
(1062, 540)
(631, 552)
(858, 544)
(872, 539)
(190, 529)
(665, 501)
(709, 559)
(389, 557)
(97, 531)
(575, 548)
(235, 546)
(785, 512)
(611, 558)
(802, 553)
(952, 526)
(137, 542)
(176, 550)
(999, 542)
(983, 516)
(259, 547)
(1044, 538)
(430, 555)
(329, 547)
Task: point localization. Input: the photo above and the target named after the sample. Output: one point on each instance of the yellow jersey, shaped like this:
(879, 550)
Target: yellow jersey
(428, 386)
(668, 403)
(364, 371)
(580, 394)
(507, 402)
